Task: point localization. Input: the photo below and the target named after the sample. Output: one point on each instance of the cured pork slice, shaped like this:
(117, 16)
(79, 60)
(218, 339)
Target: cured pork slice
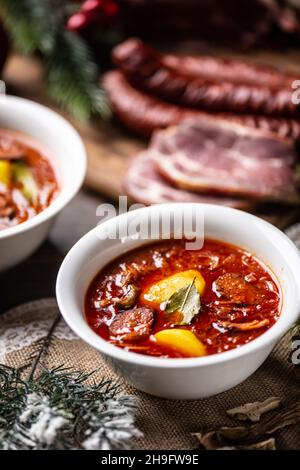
(145, 185)
(227, 159)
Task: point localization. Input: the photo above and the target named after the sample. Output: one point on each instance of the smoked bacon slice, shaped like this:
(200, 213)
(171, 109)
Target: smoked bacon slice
(227, 159)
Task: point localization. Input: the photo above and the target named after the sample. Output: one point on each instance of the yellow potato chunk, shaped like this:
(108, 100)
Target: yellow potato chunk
(184, 341)
(162, 290)
(5, 172)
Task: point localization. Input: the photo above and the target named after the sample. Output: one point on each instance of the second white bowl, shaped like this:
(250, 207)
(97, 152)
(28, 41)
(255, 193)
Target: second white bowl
(68, 158)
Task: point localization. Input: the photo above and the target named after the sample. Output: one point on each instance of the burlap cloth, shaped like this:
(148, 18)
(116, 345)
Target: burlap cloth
(166, 424)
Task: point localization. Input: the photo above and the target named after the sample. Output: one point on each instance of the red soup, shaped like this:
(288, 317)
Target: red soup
(163, 300)
(27, 180)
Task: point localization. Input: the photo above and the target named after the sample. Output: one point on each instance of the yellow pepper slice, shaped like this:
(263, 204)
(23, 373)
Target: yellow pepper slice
(161, 291)
(184, 341)
(5, 172)
(23, 175)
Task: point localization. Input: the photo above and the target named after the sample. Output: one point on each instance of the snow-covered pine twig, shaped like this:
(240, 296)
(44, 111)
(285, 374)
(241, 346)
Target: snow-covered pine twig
(62, 408)
(110, 425)
(38, 426)
(59, 410)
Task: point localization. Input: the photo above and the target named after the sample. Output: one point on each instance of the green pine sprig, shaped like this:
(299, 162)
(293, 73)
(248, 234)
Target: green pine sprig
(72, 78)
(72, 75)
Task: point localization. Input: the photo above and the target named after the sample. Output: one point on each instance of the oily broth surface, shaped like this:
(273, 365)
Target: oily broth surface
(159, 260)
(15, 208)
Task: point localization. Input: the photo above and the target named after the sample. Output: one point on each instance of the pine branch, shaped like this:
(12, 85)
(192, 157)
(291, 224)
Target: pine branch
(72, 78)
(31, 23)
(72, 75)
(109, 425)
(62, 408)
(45, 345)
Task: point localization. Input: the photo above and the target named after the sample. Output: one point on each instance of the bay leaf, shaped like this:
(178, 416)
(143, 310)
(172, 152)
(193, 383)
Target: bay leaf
(185, 301)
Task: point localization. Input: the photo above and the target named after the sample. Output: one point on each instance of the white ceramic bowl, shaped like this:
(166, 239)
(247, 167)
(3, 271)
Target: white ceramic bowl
(68, 158)
(189, 378)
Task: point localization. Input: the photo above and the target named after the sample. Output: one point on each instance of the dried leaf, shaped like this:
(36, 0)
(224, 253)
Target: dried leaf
(186, 301)
(268, 444)
(283, 418)
(241, 435)
(211, 441)
(208, 440)
(253, 411)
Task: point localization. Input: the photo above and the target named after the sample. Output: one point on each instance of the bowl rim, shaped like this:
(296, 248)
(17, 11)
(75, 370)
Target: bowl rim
(63, 197)
(84, 331)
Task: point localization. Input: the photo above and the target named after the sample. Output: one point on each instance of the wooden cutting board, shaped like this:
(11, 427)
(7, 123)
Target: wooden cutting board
(110, 146)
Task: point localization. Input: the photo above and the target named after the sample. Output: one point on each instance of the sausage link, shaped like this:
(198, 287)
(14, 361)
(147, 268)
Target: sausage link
(234, 288)
(145, 69)
(133, 325)
(143, 113)
(235, 71)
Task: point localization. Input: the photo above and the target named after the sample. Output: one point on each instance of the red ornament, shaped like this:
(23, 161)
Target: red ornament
(76, 22)
(93, 12)
(91, 5)
(110, 8)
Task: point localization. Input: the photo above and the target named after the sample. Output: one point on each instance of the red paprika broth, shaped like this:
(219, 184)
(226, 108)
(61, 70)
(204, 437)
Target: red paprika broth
(27, 181)
(240, 300)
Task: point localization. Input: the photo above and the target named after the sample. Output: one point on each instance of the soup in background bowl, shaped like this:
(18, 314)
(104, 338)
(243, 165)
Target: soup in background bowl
(43, 164)
(28, 183)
